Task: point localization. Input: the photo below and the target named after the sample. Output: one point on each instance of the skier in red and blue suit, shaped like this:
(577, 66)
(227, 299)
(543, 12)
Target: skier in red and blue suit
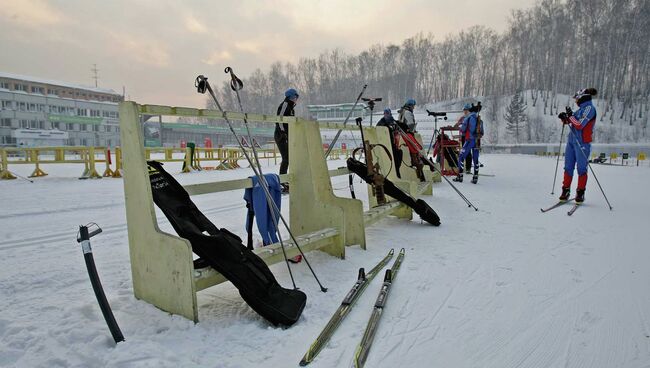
(578, 147)
(470, 128)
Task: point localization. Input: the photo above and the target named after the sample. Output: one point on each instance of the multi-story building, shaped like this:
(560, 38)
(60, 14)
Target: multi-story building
(41, 112)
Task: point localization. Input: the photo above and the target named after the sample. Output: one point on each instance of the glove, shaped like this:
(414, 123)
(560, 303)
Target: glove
(562, 116)
(569, 112)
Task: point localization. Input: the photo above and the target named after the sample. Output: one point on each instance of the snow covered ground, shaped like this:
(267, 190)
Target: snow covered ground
(506, 286)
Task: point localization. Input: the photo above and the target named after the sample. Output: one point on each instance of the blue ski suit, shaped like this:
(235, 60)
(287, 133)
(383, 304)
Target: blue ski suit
(470, 123)
(581, 126)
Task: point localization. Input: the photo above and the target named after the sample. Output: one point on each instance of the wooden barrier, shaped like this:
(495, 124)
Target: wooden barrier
(162, 264)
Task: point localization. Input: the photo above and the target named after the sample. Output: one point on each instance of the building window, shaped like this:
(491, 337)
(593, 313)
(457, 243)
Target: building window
(22, 106)
(56, 125)
(94, 113)
(5, 122)
(83, 127)
(4, 85)
(69, 126)
(40, 90)
(31, 107)
(96, 128)
(7, 105)
(52, 91)
(105, 114)
(24, 124)
(5, 139)
(81, 112)
(20, 87)
(41, 124)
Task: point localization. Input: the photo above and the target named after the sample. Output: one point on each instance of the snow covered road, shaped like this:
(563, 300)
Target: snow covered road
(506, 286)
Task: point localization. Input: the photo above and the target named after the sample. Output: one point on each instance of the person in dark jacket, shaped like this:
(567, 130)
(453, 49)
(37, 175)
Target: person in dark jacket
(281, 134)
(389, 122)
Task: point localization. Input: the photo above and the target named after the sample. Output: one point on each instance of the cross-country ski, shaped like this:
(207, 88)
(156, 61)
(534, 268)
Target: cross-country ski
(346, 305)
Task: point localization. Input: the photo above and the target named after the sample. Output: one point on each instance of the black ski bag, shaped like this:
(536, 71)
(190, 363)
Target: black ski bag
(225, 252)
(419, 206)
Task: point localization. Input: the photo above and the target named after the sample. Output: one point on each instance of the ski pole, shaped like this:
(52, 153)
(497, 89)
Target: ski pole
(588, 164)
(202, 85)
(557, 163)
(407, 137)
(84, 238)
(20, 176)
(236, 85)
(336, 137)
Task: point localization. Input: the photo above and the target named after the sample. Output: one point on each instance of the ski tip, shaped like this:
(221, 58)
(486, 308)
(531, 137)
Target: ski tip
(303, 362)
(391, 251)
(323, 289)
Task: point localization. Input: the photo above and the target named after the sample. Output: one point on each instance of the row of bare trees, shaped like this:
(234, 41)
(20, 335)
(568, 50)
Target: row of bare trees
(554, 47)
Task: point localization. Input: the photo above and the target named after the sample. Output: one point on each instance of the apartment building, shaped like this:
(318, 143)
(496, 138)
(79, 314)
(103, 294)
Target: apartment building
(40, 112)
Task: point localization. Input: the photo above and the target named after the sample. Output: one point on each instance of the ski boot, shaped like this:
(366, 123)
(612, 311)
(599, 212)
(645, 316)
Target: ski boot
(580, 196)
(475, 177)
(285, 188)
(459, 177)
(566, 192)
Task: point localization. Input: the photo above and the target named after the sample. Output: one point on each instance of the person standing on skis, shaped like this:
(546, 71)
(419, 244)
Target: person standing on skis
(578, 146)
(471, 130)
(281, 134)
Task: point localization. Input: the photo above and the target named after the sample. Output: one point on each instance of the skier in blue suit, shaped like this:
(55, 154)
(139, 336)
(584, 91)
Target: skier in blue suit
(469, 125)
(578, 146)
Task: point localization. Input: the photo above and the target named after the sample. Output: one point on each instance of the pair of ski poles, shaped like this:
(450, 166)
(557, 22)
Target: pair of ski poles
(584, 155)
(236, 85)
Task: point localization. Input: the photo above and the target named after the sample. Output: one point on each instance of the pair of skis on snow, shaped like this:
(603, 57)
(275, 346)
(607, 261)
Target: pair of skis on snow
(348, 302)
(560, 203)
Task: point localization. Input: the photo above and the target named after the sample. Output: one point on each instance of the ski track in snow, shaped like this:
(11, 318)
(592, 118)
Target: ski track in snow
(506, 286)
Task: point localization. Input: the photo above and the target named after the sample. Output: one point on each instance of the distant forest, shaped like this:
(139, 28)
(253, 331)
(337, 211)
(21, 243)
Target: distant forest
(555, 47)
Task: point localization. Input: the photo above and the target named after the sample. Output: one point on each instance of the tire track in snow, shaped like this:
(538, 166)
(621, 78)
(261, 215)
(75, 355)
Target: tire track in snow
(60, 236)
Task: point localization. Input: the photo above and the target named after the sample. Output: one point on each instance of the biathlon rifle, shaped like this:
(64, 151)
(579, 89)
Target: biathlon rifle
(373, 168)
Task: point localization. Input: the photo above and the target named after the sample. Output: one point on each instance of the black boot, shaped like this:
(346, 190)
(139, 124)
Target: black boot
(475, 177)
(580, 195)
(566, 192)
(459, 178)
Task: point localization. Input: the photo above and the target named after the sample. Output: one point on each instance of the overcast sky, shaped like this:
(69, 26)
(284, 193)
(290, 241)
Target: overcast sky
(157, 47)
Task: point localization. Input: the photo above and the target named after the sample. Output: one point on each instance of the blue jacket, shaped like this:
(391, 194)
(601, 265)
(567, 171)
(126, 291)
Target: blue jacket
(265, 223)
(582, 122)
(471, 122)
